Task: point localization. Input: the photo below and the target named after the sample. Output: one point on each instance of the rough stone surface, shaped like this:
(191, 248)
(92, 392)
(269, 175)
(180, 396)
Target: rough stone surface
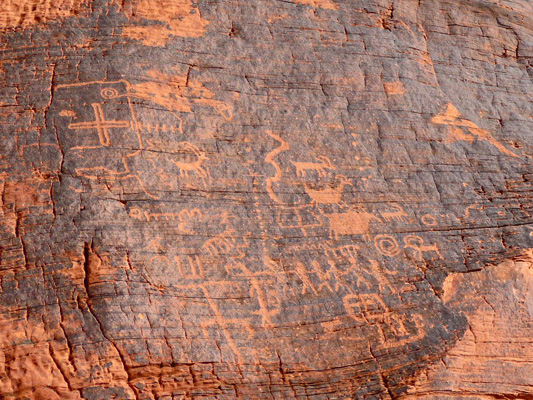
(266, 199)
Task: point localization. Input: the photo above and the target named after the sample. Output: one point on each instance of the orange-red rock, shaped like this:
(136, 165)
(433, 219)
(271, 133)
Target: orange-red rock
(279, 200)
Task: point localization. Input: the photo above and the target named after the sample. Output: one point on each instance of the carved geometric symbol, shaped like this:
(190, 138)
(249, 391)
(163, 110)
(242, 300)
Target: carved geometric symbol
(387, 245)
(100, 124)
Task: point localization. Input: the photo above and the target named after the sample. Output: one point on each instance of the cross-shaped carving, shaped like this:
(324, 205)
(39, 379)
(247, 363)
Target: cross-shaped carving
(100, 124)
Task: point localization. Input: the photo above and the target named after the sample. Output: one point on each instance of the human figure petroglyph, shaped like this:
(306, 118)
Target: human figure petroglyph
(351, 222)
(305, 275)
(319, 167)
(417, 244)
(397, 214)
(331, 195)
(348, 251)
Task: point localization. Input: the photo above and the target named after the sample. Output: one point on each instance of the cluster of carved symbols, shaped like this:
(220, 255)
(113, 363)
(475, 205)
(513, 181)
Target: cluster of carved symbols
(201, 253)
(314, 196)
(110, 137)
(389, 246)
(265, 207)
(323, 203)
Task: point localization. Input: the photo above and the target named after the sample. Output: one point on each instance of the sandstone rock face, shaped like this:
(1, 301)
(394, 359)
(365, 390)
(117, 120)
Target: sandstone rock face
(266, 199)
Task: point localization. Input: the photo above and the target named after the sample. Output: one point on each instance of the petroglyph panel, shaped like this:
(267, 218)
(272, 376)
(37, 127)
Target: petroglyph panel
(256, 200)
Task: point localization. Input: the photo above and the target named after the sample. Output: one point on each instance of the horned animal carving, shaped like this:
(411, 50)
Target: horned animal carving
(320, 167)
(190, 160)
(192, 166)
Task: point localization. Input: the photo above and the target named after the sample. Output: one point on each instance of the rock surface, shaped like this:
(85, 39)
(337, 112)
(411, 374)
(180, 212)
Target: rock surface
(266, 199)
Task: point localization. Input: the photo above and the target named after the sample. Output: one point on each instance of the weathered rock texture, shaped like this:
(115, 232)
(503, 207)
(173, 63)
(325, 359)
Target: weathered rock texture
(266, 199)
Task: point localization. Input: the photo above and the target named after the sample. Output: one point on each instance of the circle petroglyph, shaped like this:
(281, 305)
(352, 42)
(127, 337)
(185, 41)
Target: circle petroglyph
(109, 93)
(429, 220)
(387, 245)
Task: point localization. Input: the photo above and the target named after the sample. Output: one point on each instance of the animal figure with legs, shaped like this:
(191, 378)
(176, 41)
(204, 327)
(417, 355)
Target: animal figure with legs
(319, 168)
